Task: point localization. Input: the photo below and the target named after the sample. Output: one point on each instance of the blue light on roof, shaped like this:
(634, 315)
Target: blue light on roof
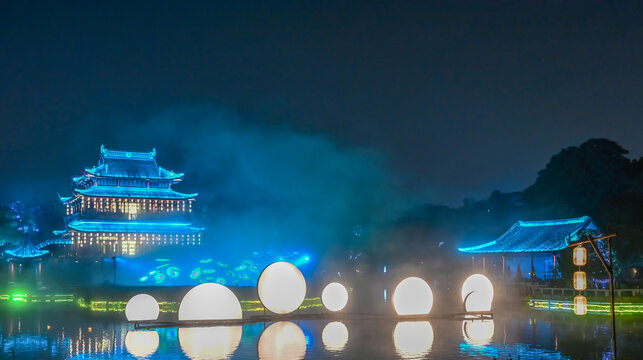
(132, 226)
(538, 236)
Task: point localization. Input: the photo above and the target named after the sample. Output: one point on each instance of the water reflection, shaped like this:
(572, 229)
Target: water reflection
(282, 340)
(210, 343)
(142, 343)
(335, 336)
(477, 332)
(413, 339)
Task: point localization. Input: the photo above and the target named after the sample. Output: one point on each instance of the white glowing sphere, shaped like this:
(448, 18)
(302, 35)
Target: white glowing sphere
(210, 343)
(142, 307)
(142, 343)
(209, 301)
(282, 340)
(477, 293)
(477, 332)
(413, 339)
(334, 296)
(335, 336)
(413, 296)
(281, 287)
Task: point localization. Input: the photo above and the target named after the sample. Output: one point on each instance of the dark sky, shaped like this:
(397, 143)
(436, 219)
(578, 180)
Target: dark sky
(462, 97)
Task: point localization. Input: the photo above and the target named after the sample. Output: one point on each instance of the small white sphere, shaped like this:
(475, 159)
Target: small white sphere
(281, 287)
(413, 339)
(142, 307)
(210, 343)
(335, 336)
(210, 301)
(477, 293)
(282, 340)
(142, 343)
(413, 296)
(334, 296)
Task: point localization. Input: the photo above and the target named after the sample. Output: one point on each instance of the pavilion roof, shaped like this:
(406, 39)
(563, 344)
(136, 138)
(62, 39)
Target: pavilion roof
(133, 227)
(26, 249)
(128, 164)
(538, 236)
(134, 192)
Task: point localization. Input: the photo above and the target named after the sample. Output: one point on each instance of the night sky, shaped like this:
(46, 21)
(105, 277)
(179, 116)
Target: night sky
(460, 98)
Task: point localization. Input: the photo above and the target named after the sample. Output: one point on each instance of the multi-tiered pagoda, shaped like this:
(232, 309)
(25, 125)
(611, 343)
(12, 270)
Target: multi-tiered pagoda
(125, 205)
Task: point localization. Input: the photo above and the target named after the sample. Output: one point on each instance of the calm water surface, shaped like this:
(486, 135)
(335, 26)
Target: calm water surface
(527, 334)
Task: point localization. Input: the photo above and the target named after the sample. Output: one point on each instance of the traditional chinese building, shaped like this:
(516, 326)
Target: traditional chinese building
(125, 205)
(532, 246)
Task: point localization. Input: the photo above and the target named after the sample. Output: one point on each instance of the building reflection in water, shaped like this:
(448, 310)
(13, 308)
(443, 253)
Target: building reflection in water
(142, 343)
(413, 339)
(282, 340)
(477, 332)
(210, 343)
(335, 336)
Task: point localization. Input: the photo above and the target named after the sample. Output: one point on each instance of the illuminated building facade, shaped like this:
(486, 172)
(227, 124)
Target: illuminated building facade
(125, 205)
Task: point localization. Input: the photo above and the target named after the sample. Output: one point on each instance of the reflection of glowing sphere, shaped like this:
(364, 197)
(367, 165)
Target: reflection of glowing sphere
(334, 296)
(413, 339)
(142, 343)
(412, 296)
(477, 332)
(335, 336)
(481, 290)
(281, 287)
(142, 307)
(282, 340)
(209, 302)
(209, 343)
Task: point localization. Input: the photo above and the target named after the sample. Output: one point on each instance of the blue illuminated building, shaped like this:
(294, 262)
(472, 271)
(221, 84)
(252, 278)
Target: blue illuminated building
(125, 206)
(532, 246)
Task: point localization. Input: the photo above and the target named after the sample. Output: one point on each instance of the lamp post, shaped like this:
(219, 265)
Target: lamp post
(114, 260)
(608, 265)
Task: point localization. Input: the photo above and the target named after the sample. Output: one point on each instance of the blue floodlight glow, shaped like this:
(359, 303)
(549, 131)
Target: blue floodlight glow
(229, 271)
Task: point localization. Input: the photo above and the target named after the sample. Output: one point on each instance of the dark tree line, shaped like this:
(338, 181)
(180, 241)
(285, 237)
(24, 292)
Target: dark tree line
(595, 179)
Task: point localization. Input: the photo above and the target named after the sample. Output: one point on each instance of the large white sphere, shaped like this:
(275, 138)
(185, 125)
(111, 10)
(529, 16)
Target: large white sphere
(281, 287)
(210, 343)
(142, 343)
(335, 336)
(334, 296)
(477, 332)
(413, 339)
(477, 293)
(142, 307)
(282, 340)
(210, 301)
(413, 296)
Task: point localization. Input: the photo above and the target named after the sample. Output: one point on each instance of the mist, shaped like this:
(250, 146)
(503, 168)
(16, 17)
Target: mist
(266, 188)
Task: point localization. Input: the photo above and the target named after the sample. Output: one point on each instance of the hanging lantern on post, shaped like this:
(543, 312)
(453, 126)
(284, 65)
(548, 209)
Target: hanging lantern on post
(580, 280)
(580, 305)
(580, 256)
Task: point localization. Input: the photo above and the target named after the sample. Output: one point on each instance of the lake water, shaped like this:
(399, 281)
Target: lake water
(520, 333)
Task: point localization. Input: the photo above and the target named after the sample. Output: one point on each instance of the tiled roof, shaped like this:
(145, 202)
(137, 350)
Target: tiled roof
(538, 236)
(133, 227)
(135, 192)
